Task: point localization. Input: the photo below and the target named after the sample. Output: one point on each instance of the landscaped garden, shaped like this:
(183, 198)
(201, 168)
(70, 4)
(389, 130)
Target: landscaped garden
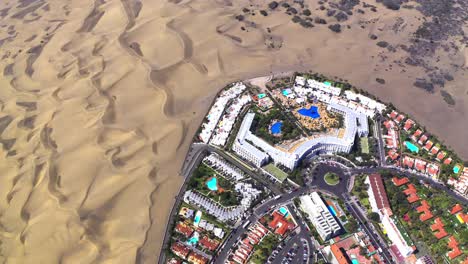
(206, 181)
(261, 126)
(440, 204)
(331, 178)
(263, 250)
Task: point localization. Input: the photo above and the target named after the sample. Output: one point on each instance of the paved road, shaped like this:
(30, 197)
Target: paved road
(376, 240)
(378, 131)
(196, 154)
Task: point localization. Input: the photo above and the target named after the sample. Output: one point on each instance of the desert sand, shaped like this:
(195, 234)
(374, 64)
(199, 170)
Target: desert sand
(99, 102)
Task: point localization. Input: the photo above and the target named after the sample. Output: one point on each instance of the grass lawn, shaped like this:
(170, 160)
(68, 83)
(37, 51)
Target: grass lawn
(276, 172)
(331, 178)
(264, 249)
(364, 141)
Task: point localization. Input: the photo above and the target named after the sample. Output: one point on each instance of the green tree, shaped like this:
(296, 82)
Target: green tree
(374, 217)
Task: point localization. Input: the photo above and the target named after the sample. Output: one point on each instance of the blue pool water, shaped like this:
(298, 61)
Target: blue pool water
(276, 128)
(413, 148)
(355, 261)
(456, 169)
(327, 83)
(197, 218)
(286, 92)
(283, 211)
(332, 210)
(312, 112)
(212, 184)
(262, 95)
(193, 240)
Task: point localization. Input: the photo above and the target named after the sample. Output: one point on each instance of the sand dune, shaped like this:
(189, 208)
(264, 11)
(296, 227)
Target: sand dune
(100, 100)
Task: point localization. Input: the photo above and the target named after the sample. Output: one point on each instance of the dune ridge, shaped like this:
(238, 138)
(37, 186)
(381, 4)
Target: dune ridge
(100, 100)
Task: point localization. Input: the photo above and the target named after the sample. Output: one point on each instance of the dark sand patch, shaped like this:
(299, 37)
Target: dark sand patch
(135, 46)
(29, 106)
(21, 14)
(26, 3)
(32, 20)
(447, 97)
(35, 53)
(8, 39)
(8, 70)
(4, 12)
(5, 122)
(31, 38)
(27, 122)
(93, 18)
(8, 143)
(46, 8)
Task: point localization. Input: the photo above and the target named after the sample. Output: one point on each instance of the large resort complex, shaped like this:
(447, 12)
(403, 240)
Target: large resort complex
(303, 169)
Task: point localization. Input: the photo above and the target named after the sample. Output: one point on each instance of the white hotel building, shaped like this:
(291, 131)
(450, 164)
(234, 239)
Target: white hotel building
(320, 216)
(258, 151)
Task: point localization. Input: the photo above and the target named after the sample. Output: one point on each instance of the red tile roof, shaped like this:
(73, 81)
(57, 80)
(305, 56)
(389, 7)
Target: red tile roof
(417, 133)
(456, 208)
(432, 169)
(393, 114)
(453, 244)
(412, 193)
(280, 224)
(441, 155)
(428, 145)
(184, 229)
(389, 124)
(422, 139)
(420, 165)
(393, 154)
(439, 227)
(180, 250)
(398, 182)
(408, 124)
(208, 243)
(425, 209)
(339, 255)
(197, 258)
(448, 160)
(408, 161)
(400, 118)
(434, 150)
(378, 189)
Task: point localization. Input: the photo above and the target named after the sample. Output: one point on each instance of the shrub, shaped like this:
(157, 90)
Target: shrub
(335, 28)
(319, 20)
(273, 5)
(306, 12)
(240, 17)
(296, 19)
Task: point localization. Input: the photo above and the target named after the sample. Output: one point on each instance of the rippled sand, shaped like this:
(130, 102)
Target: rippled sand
(99, 101)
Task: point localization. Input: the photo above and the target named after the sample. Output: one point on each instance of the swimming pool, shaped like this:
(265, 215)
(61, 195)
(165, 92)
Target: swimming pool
(262, 95)
(212, 184)
(312, 112)
(194, 239)
(327, 83)
(456, 169)
(332, 210)
(197, 218)
(276, 128)
(413, 148)
(283, 211)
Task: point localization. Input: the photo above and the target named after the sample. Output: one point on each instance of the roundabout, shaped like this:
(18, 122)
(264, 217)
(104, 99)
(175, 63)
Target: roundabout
(331, 178)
